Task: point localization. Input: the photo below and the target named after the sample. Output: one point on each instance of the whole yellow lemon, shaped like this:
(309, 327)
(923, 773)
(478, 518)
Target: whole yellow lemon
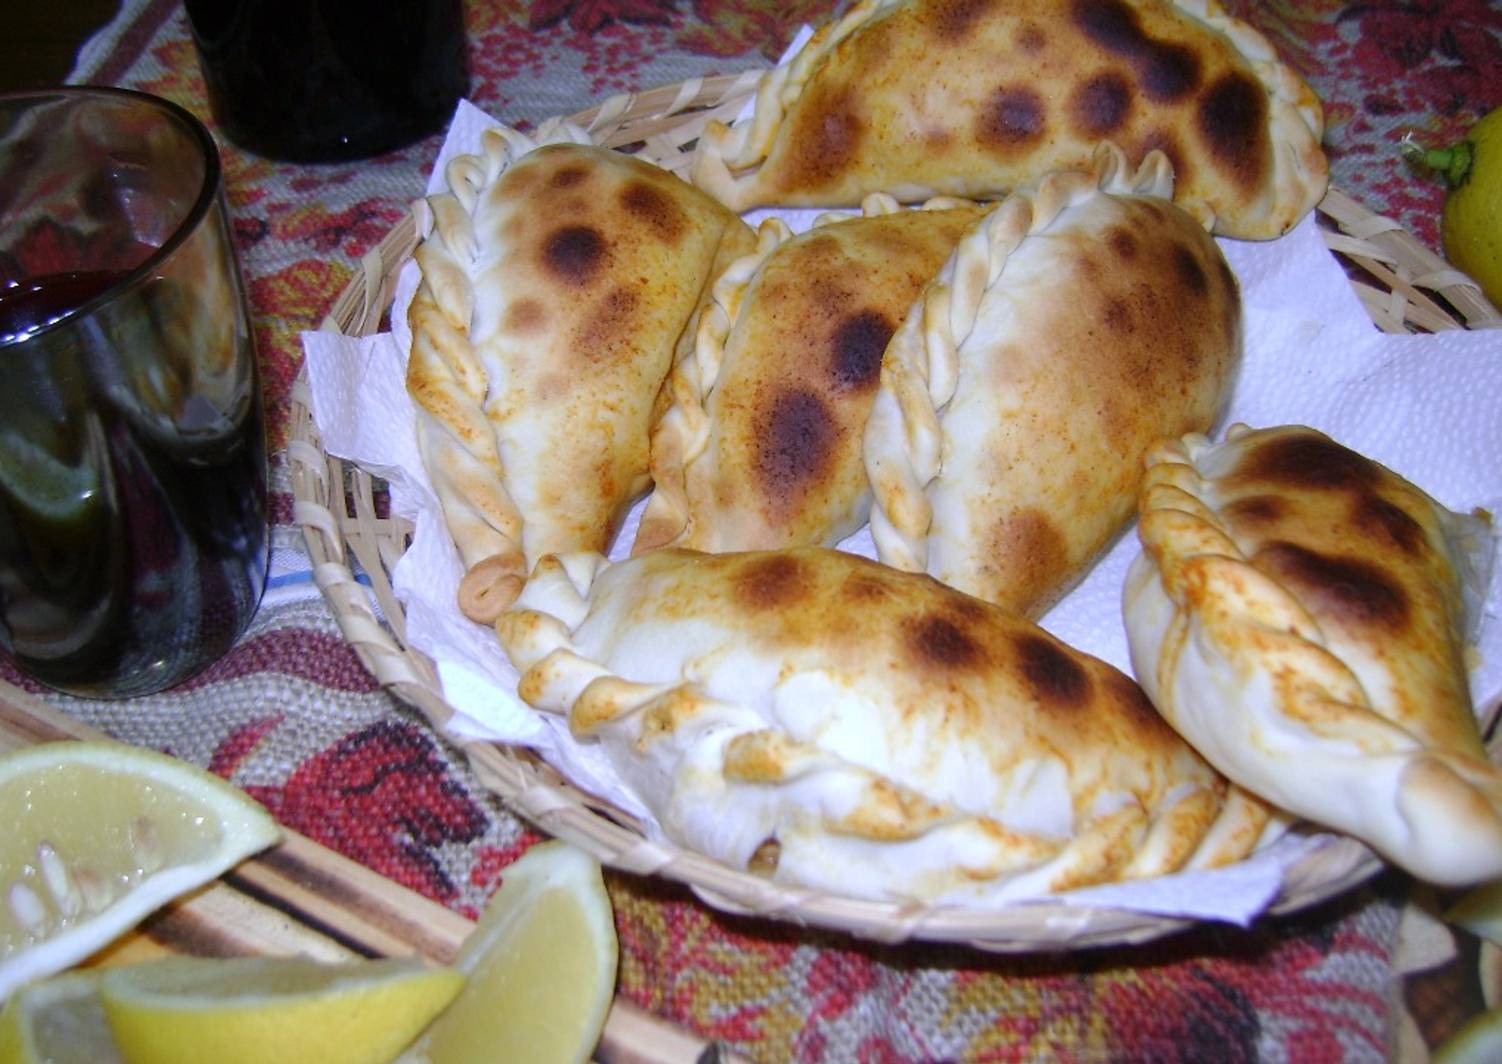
(1471, 224)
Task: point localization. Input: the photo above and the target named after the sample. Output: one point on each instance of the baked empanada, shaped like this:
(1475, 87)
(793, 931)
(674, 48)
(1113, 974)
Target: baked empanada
(760, 446)
(556, 282)
(978, 97)
(1297, 614)
(835, 723)
(1074, 326)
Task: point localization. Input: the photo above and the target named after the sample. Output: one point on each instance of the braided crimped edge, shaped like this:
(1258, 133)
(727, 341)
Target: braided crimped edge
(1127, 839)
(728, 157)
(1220, 604)
(746, 143)
(1404, 286)
(903, 442)
(681, 437)
(455, 438)
(1301, 172)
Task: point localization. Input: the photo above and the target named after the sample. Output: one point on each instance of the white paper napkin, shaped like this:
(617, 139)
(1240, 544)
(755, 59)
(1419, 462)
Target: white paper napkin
(1429, 407)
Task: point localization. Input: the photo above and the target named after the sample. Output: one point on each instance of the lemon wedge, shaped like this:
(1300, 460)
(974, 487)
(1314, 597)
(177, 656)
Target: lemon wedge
(57, 1021)
(97, 836)
(540, 968)
(266, 1010)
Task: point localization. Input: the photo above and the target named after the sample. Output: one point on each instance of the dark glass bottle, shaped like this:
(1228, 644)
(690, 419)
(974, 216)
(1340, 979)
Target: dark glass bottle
(330, 80)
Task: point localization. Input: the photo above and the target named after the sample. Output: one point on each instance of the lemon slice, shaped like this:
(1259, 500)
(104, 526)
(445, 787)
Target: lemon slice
(540, 967)
(249, 1010)
(57, 1021)
(97, 836)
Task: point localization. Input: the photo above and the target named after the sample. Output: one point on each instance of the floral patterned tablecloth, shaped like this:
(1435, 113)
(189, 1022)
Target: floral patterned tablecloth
(293, 717)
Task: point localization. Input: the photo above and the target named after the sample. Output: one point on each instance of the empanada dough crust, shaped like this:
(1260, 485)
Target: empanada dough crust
(852, 728)
(556, 282)
(1073, 327)
(1297, 614)
(760, 446)
(976, 98)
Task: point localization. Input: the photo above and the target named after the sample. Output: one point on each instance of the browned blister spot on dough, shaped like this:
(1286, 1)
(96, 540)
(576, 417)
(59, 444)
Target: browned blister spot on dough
(1165, 70)
(574, 254)
(1308, 460)
(1109, 23)
(1253, 510)
(1168, 72)
(938, 642)
(662, 216)
(1030, 39)
(864, 587)
(953, 19)
(829, 139)
(1052, 675)
(1099, 106)
(1012, 119)
(568, 176)
(1031, 553)
(1187, 268)
(1116, 316)
(1121, 241)
(1232, 122)
(856, 348)
(1345, 590)
(770, 580)
(795, 443)
(610, 327)
(966, 607)
(1388, 522)
(525, 316)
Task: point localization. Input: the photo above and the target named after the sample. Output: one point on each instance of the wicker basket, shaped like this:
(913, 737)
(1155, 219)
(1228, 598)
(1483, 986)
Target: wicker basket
(1404, 286)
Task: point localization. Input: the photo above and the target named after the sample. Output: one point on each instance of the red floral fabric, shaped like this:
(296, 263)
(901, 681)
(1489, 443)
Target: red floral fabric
(293, 717)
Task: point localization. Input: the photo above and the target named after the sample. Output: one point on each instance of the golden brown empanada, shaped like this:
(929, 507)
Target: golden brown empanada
(1074, 326)
(556, 281)
(977, 97)
(760, 446)
(838, 724)
(1297, 614)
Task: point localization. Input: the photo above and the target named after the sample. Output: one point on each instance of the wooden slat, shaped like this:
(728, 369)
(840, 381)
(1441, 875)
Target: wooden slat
(303, 898)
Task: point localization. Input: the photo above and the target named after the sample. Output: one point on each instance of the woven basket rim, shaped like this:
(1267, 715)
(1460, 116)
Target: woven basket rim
(1403, 285)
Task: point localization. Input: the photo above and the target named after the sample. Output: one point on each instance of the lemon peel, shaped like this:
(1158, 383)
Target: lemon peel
(540, 964)
(261, 1010)
(57, 1021)
(1471, 220)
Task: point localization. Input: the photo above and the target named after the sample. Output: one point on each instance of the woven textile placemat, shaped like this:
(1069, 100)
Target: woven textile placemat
(293, 716)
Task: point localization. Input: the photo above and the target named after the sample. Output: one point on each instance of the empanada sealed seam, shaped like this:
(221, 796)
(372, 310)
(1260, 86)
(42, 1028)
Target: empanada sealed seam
(925, 97)
(556, 281)
(845, 727)
(1296, 615)
(758, 442)
(1073, 326)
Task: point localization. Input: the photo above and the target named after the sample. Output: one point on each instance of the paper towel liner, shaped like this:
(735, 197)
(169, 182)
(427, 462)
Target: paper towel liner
(1429, 407)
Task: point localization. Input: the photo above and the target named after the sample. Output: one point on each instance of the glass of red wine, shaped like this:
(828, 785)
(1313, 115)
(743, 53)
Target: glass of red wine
(133, 506)
(320, 81)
